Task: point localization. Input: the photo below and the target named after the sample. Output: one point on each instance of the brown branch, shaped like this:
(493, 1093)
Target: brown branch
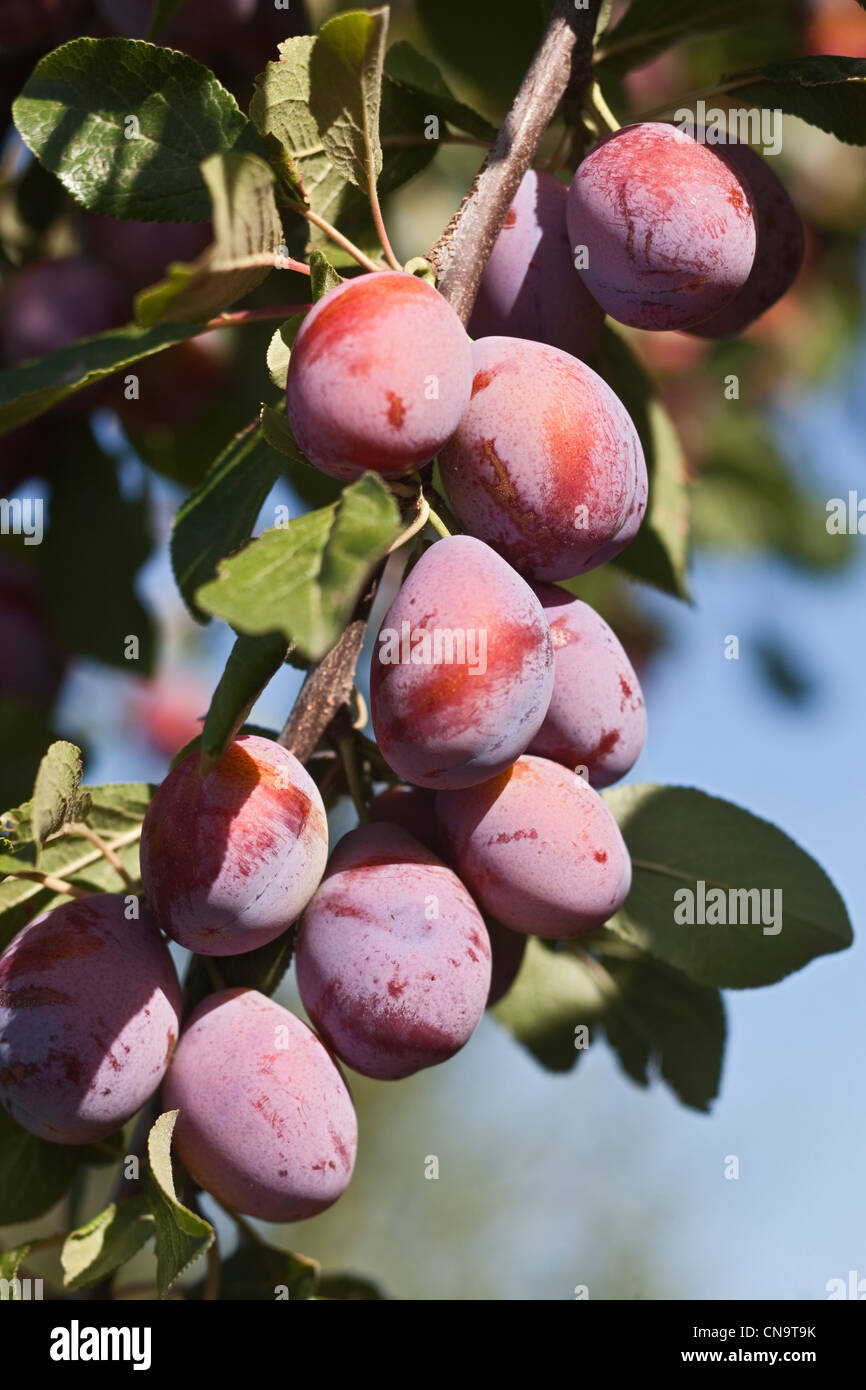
(327, 688)
(562, 66)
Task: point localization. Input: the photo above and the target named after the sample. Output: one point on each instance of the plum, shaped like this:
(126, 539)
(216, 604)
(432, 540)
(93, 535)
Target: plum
(266, 1123)
(668, 227)
(538, 848)
(379, 376)
(546, 465)
(462, 674)
(529, 288)
(413, 808)
(393, 959)
(89, 1014)
(780, 245)
(51, 304)
(596, 717)
(230, 860)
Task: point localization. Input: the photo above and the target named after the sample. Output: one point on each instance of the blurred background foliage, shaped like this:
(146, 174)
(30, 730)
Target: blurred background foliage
(502, 1220)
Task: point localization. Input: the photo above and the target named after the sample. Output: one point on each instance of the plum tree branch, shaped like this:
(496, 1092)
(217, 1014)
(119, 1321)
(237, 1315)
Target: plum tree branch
(562, 66)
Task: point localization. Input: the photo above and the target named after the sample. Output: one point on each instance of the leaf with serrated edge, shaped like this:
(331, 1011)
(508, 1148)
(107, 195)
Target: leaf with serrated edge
(75, 110)
(105, 1242)
(677, 837)
(55, 795)
(345, 91)
(281, 111)
(825, 91)
(246, 225)
(304, 579)
(182, 1236)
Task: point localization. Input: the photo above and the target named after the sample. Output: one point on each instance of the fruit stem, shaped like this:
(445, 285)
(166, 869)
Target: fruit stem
(353, 778)
(56, 885)
(437, 523)
(78, 828)
(336, 236)
(599, 107)
(381, 230)
(417, 525)
(244, 316)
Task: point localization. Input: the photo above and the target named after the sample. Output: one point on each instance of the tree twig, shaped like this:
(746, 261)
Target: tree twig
(563, 64)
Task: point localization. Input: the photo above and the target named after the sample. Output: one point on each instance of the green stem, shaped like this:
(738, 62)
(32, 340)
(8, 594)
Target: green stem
(438, 524)
(600, 108)
(245, 316)
(381, 230)
(333, 234)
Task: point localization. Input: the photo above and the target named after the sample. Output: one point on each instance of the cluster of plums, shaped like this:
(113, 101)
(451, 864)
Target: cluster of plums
(497, 830)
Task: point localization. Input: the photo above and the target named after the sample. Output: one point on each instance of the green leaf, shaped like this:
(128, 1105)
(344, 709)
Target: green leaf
(281, 110)
(551, 997)
(33, 1173)
(346, 81)
(34, 387)
(90, 516)
(656, 1020)
(115, 812)
(828, 92)
(661, 1023)
(76, 112)
(659, 552)
(323, 276)
(182, 1236)
(679, 839)
(106, 1242)
(304, 579)
(648, 27)
(252, 662)
(410, 69)
(55, 796)
(220, 514)
(280, 349)
(246, 225)
(264, 1273)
